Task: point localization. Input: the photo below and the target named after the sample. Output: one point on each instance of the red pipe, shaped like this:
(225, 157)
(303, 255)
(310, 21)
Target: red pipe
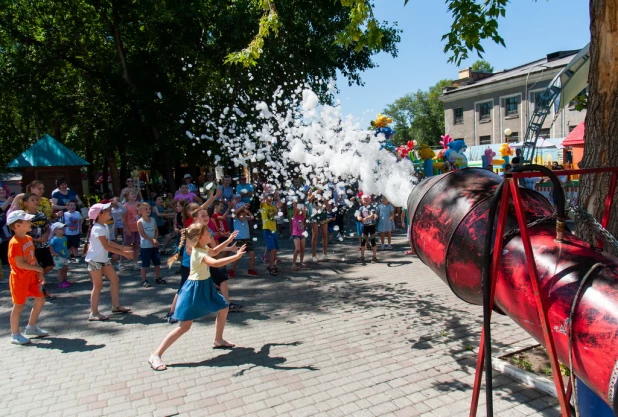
(449, 218)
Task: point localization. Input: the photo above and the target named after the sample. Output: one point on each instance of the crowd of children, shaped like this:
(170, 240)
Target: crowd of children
(212, 237)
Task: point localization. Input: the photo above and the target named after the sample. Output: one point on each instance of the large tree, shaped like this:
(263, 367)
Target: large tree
(419, 116)
(123, 81)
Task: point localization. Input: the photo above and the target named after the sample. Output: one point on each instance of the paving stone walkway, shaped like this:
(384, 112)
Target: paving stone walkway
(339, 339)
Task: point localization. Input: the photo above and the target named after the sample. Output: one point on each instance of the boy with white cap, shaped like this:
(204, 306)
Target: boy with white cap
(59, 250)
(26, 278)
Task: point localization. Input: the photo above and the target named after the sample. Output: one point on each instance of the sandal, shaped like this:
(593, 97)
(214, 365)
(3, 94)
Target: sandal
(374, 260)
(361, 259)
(160, 281)
(121, 310)
(295, 268)
(97, 317)
(304, 265)
(272, 271)
(224, 344)
(156, 363)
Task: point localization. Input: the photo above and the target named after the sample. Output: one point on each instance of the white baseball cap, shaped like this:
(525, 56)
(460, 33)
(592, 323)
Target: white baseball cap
(18, 215)
(187, 176)
(57, 225)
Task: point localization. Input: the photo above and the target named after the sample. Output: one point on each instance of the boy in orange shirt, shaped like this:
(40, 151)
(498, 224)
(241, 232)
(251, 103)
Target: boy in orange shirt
(26, 278)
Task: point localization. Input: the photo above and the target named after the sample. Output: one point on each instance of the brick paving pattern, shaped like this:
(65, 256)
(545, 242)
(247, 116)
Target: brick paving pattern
(339, 339)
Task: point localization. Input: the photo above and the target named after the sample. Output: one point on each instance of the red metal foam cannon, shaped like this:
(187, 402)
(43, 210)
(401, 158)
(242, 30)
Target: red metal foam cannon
(449, 216)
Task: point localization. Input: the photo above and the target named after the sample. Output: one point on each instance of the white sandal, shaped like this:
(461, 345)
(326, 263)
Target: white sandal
(156, 363)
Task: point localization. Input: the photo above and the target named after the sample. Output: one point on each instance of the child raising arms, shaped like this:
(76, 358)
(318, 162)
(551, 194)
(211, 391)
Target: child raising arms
(198, 296)
(99, 263)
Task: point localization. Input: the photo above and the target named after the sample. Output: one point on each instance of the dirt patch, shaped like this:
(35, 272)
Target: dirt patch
(536, 361)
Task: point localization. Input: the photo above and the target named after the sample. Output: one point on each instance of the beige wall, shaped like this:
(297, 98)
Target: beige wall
(472, 128)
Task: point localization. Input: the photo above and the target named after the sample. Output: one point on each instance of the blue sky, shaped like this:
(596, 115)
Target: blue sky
(531, 30)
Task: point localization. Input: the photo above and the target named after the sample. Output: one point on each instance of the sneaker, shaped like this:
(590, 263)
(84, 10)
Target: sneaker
(382, 247)
(264, 259)
(120, 267)
(374, 260)
(314, 259)
(235, 307)
(64, 284)
(146, 284)
(389, 246)
(253, 273)
(230, 274)
(324, 258)
(19, 339)
(36, 331)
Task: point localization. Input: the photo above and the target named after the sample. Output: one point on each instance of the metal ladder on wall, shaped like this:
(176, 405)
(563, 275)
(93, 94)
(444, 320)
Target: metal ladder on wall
(541, 109)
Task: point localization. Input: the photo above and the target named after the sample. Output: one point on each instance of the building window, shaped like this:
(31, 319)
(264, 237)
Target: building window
(458, 115)
(514, 137)
(485, 140)
(485, 111)
(512, 106)
(544, 133)
(571, 128)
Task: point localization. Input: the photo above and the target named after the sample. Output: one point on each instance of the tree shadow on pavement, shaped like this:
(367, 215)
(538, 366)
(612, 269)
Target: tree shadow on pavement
(64, 345)
(240, 356)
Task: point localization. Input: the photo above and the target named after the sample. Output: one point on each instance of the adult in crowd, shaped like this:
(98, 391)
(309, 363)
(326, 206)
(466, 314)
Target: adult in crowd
(516, 161)
(37, 188)
(227, 191)
(5, 232)
(183, 193)
(189, 181)
(210, 186)
(245, 190)
(131, 186)
(62, 195)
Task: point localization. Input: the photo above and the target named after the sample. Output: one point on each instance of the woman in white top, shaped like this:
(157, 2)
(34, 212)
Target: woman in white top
(99, 263)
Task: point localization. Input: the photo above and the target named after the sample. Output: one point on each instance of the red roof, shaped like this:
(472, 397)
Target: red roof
(576, 137)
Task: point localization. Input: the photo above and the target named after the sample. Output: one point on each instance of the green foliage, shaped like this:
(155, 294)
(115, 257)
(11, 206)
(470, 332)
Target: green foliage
(113, 80)
(521, 362)
(418, 116)
(483, 66)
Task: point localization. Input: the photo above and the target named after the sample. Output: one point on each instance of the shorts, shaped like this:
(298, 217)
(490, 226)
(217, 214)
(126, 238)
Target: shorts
(24, 287)
(60, 262)
(299, 237)
(248, 242)
(96, 266)
(272, 240)
(164, 230)
(44, 257)
(73, 241)
(217, 275)
(150, 254)
(184, 275)
(130, 238)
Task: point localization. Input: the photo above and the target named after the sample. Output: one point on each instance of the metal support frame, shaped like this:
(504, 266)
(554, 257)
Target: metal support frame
(511, 192)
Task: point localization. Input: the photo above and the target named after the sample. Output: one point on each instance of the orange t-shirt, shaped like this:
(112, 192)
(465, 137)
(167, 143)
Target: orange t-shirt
(22, 247)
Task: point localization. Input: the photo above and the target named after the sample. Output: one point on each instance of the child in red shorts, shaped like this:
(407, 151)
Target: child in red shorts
(26, 278)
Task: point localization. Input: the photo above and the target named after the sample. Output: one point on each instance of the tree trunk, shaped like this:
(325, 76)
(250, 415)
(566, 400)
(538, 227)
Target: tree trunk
(602, 114)
(111, 161)
(90, 168)
(105, 175)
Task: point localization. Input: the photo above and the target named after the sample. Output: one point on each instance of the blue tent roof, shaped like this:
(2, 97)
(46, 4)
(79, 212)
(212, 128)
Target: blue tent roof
(47, 152)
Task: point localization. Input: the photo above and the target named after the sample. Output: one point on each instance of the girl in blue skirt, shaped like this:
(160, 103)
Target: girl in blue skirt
(198, 296)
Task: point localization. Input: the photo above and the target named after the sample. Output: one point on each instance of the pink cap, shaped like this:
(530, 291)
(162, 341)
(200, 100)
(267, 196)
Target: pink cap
(95, 209)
